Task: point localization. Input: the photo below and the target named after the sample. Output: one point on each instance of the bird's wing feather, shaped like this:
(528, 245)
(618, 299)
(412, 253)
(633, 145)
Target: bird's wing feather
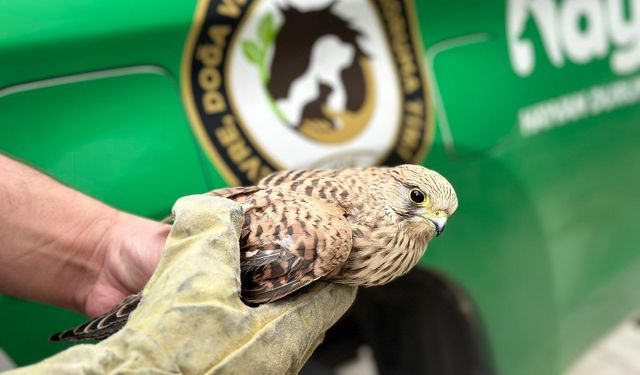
(290, 240)
(239, 193)
(102, 326)
(282, 177)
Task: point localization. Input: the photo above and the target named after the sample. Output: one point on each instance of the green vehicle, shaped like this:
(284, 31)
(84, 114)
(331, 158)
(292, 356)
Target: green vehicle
(529, 107)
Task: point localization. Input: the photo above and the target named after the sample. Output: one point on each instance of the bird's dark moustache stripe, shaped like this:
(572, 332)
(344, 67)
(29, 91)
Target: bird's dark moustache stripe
(409, 211)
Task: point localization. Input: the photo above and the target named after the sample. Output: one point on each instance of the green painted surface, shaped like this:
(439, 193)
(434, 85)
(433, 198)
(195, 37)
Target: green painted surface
(543, 240)
(98, 141)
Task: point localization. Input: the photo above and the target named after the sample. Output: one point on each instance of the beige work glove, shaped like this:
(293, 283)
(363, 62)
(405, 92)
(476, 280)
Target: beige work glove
(191, 319)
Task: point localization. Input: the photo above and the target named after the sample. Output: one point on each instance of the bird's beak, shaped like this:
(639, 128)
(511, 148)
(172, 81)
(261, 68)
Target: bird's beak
(439, 223)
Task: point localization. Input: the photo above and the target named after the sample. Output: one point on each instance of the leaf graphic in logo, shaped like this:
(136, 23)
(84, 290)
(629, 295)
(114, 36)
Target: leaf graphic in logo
(252, 52)
(266, 29)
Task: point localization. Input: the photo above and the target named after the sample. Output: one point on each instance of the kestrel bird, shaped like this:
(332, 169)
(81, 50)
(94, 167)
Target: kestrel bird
(356, 226)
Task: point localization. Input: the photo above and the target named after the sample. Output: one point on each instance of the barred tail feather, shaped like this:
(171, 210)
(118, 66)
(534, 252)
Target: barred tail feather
(103, 326)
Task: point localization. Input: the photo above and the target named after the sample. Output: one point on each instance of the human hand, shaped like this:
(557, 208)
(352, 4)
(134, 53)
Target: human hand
(131, 251)
(62, 247)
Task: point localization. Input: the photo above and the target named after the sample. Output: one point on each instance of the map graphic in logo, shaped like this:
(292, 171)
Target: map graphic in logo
(292, 84)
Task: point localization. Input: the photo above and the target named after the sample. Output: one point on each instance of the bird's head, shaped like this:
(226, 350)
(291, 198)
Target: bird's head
(425, 198)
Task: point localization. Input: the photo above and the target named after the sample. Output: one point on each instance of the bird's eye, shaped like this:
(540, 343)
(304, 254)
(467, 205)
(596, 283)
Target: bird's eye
(437, 213)
(417, 196)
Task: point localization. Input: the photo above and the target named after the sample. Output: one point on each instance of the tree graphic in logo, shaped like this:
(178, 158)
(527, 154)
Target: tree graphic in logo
(256, 52)
(318, 80)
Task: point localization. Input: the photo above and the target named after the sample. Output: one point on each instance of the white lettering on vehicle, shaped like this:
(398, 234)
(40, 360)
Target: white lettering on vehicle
(605, 28)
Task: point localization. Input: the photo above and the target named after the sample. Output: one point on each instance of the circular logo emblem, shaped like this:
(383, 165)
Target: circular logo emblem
(305, 84)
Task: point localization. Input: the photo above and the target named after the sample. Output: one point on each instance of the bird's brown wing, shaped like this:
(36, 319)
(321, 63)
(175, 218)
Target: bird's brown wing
(288, 241)
(103, 326)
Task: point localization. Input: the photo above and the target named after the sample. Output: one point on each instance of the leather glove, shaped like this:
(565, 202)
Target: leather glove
(191, 319)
